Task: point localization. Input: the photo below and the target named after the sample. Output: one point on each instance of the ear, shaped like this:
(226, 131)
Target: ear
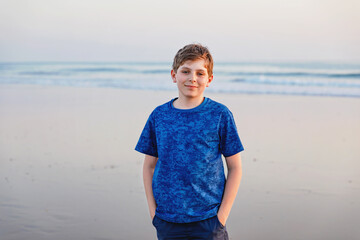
(173, 76)
(210, 80)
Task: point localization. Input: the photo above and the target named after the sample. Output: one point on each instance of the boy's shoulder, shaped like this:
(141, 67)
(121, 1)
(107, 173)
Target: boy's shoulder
(217, 105)
(163, 107)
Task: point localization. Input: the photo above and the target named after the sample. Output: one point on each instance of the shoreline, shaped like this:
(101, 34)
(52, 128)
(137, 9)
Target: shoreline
(175, 91)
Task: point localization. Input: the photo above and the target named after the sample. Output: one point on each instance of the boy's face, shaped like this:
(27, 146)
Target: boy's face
(192, 78)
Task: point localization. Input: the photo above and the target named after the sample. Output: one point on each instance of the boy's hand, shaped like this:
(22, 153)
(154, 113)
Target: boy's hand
(152, 214)
(222, 219)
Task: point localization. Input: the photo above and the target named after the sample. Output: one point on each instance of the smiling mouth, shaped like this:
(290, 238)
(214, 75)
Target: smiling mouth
(190, 86)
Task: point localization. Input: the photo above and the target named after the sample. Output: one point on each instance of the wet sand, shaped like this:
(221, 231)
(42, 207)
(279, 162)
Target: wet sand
(68, 169)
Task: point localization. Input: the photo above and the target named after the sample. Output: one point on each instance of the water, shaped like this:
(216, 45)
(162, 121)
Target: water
(320, 79)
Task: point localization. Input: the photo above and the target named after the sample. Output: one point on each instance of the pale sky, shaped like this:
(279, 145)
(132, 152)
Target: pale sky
(143, 30)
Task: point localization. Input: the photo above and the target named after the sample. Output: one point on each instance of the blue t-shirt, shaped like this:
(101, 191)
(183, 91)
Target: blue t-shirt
(189, 180)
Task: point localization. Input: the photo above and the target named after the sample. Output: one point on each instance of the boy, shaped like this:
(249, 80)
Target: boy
(183, 140)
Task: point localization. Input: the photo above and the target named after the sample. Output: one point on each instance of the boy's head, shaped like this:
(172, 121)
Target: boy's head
(193, 52)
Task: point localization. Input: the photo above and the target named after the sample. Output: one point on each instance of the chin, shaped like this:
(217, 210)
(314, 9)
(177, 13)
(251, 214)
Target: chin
(193, 96)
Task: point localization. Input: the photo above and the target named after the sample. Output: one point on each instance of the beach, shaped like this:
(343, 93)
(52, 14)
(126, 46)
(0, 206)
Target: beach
(69, 169)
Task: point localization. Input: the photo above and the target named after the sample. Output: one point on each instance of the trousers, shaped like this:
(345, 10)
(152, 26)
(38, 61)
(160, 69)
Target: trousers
(208, 229)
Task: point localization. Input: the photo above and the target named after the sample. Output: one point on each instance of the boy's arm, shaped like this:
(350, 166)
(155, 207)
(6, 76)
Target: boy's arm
(232, 184)
(148, 172)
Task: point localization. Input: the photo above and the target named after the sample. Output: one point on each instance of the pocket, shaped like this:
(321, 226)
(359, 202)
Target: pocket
(221, 225)
(153, 220)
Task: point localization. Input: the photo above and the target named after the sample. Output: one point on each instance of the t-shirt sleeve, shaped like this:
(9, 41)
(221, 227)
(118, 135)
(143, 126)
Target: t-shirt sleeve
(147, 141)
(230, 142)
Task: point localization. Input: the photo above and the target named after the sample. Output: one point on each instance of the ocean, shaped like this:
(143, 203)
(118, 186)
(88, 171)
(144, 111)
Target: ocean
(315, 78)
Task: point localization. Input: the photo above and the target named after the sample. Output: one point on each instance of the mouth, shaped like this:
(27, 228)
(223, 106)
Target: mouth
(189, 86)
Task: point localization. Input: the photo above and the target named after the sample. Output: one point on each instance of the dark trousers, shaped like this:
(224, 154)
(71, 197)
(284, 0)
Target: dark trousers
(209, 229)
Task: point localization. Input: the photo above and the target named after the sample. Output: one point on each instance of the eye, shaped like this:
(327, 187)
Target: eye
(184, 71)
(200, 74)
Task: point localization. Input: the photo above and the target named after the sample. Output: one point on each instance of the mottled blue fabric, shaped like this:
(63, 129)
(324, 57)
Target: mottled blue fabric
(189, 179)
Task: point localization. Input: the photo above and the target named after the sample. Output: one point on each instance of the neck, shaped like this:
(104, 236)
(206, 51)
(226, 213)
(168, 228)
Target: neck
(188, 103)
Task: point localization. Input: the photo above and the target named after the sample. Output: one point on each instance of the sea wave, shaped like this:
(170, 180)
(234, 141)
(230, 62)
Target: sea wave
(319, 79)
(292, 74)
(298, 82)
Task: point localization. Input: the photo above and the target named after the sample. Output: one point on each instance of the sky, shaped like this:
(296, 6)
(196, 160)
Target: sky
(143, 30)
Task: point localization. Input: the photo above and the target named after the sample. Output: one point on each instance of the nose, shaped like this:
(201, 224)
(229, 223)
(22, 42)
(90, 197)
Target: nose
(192, 77)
